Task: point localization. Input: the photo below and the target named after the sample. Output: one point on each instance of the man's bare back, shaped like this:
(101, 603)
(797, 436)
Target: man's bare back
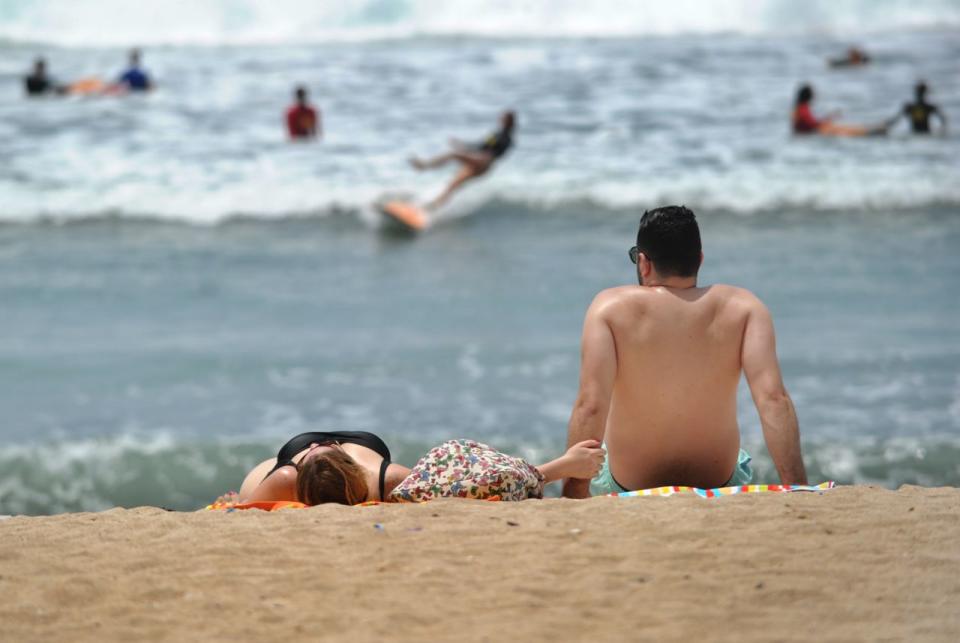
(660, 367)
(673, 412)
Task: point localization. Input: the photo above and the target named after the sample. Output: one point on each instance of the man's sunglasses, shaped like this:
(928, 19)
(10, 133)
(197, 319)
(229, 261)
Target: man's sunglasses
(634, 252)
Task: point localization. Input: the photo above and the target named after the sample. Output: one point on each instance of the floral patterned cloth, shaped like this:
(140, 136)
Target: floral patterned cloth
(468, 469)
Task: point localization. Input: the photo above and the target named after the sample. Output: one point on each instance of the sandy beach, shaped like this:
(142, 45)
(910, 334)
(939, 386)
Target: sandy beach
(855, 563)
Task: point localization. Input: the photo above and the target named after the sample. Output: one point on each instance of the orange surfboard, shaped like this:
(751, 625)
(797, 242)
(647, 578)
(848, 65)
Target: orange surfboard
(406, 214)
(87, 86)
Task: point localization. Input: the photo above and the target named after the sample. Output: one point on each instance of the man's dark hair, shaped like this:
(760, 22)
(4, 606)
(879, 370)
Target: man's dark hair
(804, 94)
(670, 237)
(301, 93)
(920, 90)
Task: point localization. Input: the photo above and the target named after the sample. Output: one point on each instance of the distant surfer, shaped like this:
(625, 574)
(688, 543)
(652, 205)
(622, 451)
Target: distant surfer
(919, 112)
(303, 121)
(855, 57)
(805, 123)
(38, 83)
(474, 159)
(134, 78)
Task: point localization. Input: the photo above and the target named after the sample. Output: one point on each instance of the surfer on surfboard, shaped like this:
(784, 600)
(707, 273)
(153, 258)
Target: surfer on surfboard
(805, 123)
(474, 159)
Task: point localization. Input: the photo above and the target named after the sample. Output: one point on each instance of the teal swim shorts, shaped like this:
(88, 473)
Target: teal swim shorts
(604, 482)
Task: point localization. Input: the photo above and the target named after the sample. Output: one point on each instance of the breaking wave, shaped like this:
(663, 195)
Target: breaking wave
(215, 22)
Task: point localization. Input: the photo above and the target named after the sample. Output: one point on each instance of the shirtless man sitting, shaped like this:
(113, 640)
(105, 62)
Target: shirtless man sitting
(660, 364)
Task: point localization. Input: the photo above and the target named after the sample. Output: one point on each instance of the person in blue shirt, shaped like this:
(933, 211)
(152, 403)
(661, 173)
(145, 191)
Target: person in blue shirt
(134, 78)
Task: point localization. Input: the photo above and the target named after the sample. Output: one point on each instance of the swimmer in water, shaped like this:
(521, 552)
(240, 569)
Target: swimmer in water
(804, 122)
(38, 83)
(134, 78)
(919, 112)
(474, 159)
(303, 121)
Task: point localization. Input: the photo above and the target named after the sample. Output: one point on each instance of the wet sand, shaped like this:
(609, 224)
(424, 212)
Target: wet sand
(855, 563)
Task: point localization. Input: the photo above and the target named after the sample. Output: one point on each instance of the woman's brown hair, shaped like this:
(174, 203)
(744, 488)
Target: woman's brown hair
(331, 477)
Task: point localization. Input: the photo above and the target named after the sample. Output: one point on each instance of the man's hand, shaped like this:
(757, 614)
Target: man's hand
(598, 369)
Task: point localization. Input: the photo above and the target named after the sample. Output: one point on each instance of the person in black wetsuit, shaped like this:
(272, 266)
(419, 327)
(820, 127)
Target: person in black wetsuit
(38, 83)
(475, 160)
(919, 112)
(350, 467)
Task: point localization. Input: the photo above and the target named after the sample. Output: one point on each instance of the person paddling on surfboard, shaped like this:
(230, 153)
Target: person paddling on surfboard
(475, 159)
(805, 123)
(855, 57)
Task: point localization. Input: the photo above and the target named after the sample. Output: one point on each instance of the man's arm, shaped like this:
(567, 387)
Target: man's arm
(943, 120)
(781, 430)
(598, 368)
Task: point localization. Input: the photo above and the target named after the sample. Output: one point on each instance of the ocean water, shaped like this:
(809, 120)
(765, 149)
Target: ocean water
(182, 290)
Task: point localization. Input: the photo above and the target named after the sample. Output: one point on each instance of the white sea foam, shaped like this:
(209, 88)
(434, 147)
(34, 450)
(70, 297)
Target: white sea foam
(97, 474)
(214, 22)
(604, 124)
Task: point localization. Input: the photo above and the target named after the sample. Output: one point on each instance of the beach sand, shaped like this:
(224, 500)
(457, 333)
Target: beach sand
(855, 563)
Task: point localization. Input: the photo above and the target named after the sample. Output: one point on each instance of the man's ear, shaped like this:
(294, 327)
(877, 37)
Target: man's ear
(645, 266)
(701, 258)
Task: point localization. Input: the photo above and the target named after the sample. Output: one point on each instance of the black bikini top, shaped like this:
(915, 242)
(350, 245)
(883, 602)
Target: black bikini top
(304, 440)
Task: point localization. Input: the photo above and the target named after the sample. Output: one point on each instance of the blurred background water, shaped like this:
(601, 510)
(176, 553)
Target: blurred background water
(182, 290)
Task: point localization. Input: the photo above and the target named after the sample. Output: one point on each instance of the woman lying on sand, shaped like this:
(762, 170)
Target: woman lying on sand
(350, 467)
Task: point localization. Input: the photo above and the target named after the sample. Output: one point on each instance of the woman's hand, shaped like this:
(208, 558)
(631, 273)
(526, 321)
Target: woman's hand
(584, 460)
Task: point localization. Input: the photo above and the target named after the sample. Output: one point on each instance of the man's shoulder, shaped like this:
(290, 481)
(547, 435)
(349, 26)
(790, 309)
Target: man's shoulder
(736, 295)
(615, 298)
(606, 302)
(617, 294)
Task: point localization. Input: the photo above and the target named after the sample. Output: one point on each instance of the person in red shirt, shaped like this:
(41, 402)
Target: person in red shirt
(303, 121)
(804, 122)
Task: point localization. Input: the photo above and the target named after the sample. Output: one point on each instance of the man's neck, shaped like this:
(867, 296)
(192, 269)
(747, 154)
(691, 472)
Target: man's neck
(680, 283)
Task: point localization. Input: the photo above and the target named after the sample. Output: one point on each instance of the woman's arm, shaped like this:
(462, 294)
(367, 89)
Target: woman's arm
(279, 485)
(396, 473)
(581, 461)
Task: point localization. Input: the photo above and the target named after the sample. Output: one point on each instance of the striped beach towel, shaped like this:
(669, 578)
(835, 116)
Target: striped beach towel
(727, 491)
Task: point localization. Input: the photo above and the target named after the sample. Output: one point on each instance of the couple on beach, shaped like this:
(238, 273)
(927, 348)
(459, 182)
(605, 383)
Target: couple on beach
(657, 402)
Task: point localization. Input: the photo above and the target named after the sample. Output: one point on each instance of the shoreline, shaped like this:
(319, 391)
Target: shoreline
(851, 563)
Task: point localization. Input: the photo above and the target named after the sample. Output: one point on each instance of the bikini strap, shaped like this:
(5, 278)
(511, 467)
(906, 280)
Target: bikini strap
(383, 476)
